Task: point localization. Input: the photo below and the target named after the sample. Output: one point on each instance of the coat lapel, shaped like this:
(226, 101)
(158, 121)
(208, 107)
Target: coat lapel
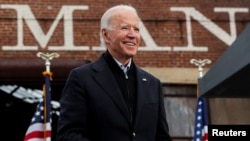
(103, 75)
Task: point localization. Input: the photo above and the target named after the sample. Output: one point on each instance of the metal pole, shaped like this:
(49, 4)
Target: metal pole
(200, 63)
(47, 57)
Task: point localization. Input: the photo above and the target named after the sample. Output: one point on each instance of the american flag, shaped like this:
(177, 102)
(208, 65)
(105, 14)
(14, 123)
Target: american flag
(201, 121)
(40, 126)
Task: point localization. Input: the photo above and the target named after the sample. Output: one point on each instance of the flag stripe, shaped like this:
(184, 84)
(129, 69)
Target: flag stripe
(40, 139)
(37, 127)
(37, 134)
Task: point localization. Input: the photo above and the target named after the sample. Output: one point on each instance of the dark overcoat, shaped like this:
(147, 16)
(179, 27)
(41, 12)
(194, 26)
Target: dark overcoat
(93, 108)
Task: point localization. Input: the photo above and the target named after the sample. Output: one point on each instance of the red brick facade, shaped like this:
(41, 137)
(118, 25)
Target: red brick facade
(166, 26)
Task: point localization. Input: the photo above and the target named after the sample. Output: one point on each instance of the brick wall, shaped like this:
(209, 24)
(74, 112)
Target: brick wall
(166, 27)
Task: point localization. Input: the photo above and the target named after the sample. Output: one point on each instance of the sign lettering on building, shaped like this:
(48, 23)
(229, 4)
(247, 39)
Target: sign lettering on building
(25, 14)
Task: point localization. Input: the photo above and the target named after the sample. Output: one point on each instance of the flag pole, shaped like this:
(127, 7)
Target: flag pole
(201, 120)
(47, 57)
(47, 73)
(200, 63)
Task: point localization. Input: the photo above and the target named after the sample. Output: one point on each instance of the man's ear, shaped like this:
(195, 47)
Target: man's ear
(105, 35)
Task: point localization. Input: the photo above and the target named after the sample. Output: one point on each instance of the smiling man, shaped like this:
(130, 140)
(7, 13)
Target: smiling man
(112, 99)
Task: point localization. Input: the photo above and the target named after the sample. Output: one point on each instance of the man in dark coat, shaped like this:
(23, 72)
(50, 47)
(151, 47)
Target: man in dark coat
(112, 99)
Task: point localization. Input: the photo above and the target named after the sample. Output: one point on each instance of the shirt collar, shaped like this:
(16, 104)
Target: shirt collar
(124, 68)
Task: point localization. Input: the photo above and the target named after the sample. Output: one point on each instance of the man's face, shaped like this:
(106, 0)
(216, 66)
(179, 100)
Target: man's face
(124, 38)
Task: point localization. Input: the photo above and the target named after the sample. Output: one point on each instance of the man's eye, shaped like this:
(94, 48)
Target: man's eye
(125, 28)
(137, 29)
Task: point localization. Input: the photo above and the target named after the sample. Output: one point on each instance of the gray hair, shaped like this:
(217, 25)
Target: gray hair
(107, 16)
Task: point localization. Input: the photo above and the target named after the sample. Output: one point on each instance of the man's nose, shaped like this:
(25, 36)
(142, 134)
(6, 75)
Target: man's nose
(132, 32)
